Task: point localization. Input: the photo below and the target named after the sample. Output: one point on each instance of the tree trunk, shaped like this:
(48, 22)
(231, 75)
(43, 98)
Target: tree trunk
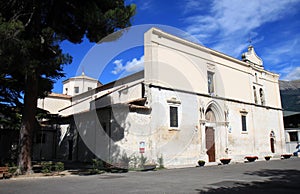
(28, 123)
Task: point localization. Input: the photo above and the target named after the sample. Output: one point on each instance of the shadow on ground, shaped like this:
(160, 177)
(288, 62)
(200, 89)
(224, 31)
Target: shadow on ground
(278, 181)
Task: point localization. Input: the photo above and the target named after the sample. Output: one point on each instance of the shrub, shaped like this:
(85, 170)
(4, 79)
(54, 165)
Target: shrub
(59, 166)
(125, 159)
(98, 165)
(135, 161)
(143, 160)
(12, 167)
(160, 161)
(46, 167)
(201, 162)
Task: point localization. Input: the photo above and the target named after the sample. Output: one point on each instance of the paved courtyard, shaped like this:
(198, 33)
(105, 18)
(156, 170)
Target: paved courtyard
(275, 176)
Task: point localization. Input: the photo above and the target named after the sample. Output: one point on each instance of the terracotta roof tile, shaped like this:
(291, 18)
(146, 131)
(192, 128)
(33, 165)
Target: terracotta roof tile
(59, 95)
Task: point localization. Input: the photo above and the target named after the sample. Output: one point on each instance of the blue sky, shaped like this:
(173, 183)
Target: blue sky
(224, 25)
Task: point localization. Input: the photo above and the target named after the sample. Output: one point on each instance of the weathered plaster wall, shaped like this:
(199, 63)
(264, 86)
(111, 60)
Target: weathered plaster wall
(53, 104)
(174, 63)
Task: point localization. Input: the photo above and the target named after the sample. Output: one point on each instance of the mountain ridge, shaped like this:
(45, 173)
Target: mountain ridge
(290, 95)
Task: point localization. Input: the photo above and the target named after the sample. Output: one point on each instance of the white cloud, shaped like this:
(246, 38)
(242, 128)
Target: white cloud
(132, 66)
(135, 65)
(146, 4)
(290, 73)
(230, 22)
(195, 5)
(118, 66)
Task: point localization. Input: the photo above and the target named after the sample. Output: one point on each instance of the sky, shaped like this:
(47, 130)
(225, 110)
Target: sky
(228, 26)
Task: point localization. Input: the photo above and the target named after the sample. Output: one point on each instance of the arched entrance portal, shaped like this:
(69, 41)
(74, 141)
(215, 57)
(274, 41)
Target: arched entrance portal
(210, 136)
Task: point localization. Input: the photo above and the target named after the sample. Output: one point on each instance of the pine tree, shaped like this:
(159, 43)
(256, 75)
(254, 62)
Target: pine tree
(30, 55)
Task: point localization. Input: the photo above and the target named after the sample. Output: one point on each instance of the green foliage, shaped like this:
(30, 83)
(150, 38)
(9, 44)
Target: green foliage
(97, 164)
(46, 167)
(12, 170)
(201, 162)
(95, 171)
(135, 161)
(12, 167)
(30, 55)
(59, 166)
(143, 160)
(125, 159)
(160, 161)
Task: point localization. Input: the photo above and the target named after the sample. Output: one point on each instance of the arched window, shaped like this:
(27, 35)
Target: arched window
(255, 95)
(272, 141)
(262, 96)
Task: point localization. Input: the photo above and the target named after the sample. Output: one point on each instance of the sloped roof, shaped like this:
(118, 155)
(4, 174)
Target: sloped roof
(59, 95)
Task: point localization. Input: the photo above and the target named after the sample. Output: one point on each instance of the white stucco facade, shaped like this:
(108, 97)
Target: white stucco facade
(189, 103)
(54, 102)
(79, 84)
(178, 68)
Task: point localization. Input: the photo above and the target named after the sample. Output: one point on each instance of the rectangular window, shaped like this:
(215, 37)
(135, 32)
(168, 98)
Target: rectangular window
(293, 136)
(244, 124)
(173, 116)
(210, 82)
(76, 90)
(90, 88)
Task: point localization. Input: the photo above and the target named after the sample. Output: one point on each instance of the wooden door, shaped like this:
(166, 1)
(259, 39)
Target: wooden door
(272, 145)
(210, 143)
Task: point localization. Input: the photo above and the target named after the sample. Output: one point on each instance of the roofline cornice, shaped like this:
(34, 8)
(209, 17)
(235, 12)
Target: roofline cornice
(161, 33)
